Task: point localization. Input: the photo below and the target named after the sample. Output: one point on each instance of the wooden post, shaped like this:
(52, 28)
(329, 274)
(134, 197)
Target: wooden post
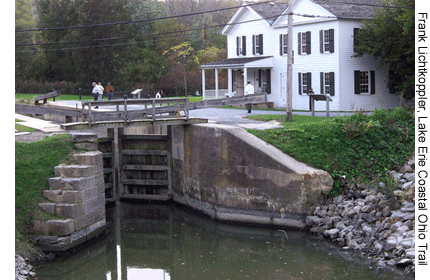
(153, 111)
(216, 83)
(327, 100)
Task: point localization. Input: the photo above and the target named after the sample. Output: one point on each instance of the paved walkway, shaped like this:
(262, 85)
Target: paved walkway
(235, 117)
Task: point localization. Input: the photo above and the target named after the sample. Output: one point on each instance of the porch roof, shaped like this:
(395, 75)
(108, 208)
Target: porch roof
(241, 62)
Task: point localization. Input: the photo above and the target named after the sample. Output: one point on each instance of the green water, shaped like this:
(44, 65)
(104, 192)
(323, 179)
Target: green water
(167, 242)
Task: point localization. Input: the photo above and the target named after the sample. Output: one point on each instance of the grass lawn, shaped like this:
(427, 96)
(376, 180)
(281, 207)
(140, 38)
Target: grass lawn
(362, 147)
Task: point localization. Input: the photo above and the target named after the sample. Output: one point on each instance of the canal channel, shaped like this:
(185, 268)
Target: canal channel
(160, 241)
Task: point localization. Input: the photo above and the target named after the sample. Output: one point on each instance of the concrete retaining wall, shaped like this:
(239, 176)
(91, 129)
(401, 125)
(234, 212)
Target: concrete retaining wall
(77, 197)
(232, 175)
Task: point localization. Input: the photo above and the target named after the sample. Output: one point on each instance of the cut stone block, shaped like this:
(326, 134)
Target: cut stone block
(83, 221)
(53, 195)
(48, 207)
(61, 227)
(87, 146)
(82, 183)
(54, 183)
(68, 210)
(77, 171)
(73, 197)
(89, 158)
(79, 137)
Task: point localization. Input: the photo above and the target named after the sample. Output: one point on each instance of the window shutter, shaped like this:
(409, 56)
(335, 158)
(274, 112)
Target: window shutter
(357, 82)
(309, 82)
(281, 47)
(259, 78)
(244, 45)
(261, 43)
(253, 44)
(268, 82)
(331, 74)
(300, 83)
(237, 46)
(321, 41)
(331, 40)
(356, 43)
(372, 82)
(322, 83)
(299, 42)
(308, 42)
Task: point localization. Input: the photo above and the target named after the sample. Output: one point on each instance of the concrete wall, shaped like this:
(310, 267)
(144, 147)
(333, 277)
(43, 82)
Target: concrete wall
(232, 175)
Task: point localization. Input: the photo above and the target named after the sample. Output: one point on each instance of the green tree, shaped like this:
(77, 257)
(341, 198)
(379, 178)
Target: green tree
(390, 37)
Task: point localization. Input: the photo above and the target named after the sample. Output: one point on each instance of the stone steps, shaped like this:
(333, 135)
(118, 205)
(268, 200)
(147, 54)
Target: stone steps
(77, 197)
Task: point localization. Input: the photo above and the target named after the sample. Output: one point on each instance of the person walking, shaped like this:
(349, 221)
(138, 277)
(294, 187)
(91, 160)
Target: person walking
(100, 97)
(97, 93)
(249, 89)
(109, 91)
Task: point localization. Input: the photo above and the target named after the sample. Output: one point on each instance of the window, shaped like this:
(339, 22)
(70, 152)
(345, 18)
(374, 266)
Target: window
(327, 83)
(304, 42)
(240, 45)
(305, 83)
(364, 82)
(283, 44)
(257, 44)
(327, 41)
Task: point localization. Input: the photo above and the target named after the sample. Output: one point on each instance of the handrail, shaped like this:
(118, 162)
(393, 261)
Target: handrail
(125, 102)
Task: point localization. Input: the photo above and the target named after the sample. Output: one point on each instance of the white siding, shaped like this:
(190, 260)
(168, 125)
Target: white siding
(349, 100)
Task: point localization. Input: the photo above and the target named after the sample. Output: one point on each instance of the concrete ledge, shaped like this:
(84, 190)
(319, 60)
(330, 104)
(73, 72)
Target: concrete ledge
(63, 243)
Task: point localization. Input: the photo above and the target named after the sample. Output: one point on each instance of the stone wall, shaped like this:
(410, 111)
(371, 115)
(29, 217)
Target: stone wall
(232, 175)
(76, 197)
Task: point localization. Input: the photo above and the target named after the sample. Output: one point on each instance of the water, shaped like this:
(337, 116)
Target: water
(166, 242)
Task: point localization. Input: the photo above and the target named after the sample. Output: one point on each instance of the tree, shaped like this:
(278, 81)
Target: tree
(390, 37)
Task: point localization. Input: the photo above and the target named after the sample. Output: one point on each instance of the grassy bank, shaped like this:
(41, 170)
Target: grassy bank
(362, 147)
(34, 164)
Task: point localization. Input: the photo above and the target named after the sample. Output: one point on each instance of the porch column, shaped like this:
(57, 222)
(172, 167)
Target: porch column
(245, 78)
(203, 84)
(216, 83)
(230, 82)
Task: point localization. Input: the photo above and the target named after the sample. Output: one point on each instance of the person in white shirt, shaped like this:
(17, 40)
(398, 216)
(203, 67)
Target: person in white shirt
(249, 89)
(97, 93)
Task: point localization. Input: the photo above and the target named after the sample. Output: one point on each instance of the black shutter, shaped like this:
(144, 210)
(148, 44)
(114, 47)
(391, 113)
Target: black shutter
(259, 78)
(372, 82)
(299, 42)
(308, 42)
(261, 43)
(238, 45)
(300, 83)
(268, 82)
(356, 43)
(321, 41)
(253, 44)
(244, 45)
(357, 82)
(281, 47)
(331, 39)
(308, 82)
(322, 83)
(331, 74)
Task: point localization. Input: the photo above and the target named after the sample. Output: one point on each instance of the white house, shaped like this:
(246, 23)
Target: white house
(323, 49)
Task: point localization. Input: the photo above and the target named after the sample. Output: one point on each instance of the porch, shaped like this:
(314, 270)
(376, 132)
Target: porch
(239, 71)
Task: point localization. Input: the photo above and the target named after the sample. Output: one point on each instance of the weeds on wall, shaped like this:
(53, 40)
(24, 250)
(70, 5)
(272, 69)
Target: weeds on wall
(356, 148)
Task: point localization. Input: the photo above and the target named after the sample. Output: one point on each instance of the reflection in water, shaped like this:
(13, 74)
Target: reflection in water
(147, 241)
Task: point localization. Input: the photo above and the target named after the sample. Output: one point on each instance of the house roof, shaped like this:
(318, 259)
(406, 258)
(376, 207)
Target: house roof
(233, 62)
(269, 10)
(349, 9)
